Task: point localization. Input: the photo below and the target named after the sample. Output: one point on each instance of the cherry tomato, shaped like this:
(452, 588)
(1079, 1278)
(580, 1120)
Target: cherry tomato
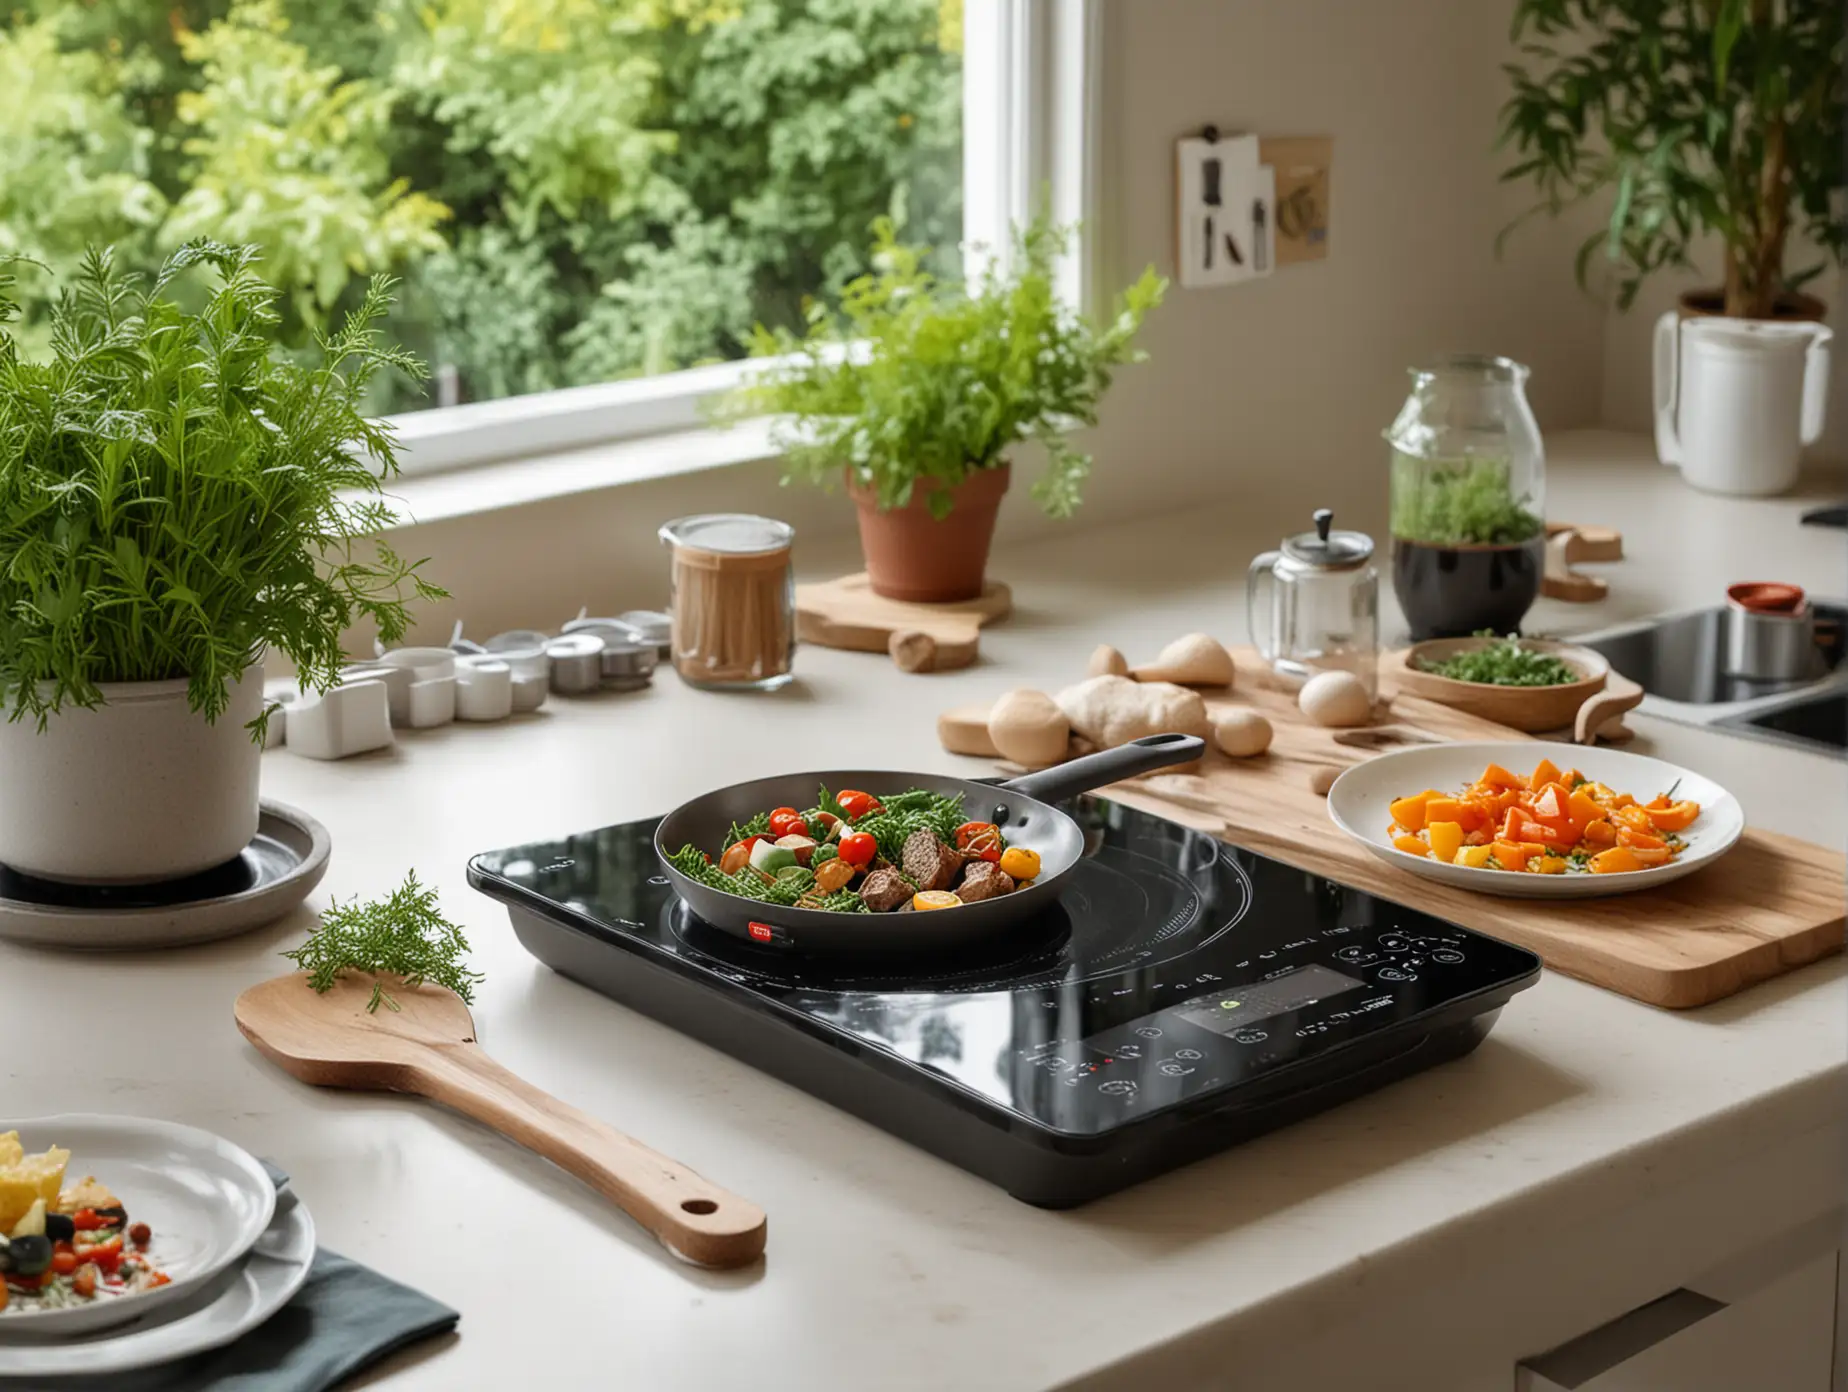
(88, 1220)
(859, 848)
(64, 1263)
(785, 822)
(980, 839)
(84, 1282)
(106, 1255)
(857, 804)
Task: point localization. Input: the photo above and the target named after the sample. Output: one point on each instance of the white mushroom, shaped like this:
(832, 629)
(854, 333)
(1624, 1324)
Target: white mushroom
(1336, 699)
(1195, 660)
(1029, 728)
(1110, 711)
(1106, 661)
(1242, 734)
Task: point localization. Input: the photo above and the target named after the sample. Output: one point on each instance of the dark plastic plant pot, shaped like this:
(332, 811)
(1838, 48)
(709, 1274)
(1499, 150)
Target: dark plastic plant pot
(1457, 591)
(910, 555)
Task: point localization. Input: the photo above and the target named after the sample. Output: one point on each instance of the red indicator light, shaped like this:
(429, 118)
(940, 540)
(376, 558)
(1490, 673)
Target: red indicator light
(762, 932)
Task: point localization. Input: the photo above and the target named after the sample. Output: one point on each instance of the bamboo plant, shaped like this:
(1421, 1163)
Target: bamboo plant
(1700, 118)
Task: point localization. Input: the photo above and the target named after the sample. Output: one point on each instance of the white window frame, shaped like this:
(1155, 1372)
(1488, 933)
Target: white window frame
(1031, 76)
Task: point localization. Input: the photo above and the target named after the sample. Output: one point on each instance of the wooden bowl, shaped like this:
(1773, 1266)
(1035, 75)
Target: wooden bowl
(1532, 710)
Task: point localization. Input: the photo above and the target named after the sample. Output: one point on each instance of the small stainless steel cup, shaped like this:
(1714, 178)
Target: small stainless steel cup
(1763, 646)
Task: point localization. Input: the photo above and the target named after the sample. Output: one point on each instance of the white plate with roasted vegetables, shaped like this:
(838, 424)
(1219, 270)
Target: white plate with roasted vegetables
(105, 1218)
(1533, 820)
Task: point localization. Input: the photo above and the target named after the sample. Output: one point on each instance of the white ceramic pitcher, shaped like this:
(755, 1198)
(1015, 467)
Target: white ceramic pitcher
(1736, 400)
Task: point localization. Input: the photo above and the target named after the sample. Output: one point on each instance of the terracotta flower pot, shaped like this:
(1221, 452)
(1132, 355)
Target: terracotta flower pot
(911, 555)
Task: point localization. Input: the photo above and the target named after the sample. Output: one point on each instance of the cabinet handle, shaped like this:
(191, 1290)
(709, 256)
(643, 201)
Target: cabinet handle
(1577, 1361)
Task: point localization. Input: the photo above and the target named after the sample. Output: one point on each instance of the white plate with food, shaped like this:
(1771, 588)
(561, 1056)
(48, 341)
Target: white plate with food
(1533, 820)
(209, 1316)
(106, 1218)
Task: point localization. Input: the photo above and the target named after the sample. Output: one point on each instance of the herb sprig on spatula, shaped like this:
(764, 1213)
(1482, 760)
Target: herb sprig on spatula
(403, 935)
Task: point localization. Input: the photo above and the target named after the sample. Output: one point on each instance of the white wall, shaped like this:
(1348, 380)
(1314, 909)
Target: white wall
(1267, 397)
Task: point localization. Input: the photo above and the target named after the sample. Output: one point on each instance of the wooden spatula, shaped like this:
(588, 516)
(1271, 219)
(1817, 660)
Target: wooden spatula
(427, 1047)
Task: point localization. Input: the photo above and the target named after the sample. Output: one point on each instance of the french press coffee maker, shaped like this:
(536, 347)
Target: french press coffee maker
(1320, 601)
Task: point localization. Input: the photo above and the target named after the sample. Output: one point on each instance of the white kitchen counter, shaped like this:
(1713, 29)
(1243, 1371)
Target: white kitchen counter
(1592, 1154)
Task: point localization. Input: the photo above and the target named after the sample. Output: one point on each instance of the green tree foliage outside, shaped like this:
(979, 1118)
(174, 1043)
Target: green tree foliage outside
(572, 190)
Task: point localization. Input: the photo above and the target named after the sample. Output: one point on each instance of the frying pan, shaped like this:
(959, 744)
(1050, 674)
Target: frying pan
(1021, 808)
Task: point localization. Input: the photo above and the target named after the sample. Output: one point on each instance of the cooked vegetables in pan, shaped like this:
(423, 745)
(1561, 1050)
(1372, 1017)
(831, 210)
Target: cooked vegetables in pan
(856, 853)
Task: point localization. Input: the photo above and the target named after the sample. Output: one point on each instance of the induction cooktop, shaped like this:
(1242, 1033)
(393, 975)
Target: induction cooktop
(1184, 996)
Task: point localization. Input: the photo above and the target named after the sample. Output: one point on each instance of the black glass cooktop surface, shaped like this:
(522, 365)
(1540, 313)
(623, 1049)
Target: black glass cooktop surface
(1184, 995)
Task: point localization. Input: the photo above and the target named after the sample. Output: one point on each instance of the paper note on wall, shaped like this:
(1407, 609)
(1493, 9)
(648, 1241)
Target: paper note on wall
(1225, 223)
(1303, 165)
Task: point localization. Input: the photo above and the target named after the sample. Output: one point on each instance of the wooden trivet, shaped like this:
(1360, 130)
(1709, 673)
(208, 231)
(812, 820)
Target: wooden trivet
(845, 613)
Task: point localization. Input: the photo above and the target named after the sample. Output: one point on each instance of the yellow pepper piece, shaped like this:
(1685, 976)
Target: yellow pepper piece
(1446, 839)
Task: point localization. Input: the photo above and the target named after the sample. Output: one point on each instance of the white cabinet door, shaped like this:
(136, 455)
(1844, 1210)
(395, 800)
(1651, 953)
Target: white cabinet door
(1781, 1338)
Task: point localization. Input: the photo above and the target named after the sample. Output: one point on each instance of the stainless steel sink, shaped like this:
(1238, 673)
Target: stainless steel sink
(1815, 719)
(1683, 657)
(1680, 661)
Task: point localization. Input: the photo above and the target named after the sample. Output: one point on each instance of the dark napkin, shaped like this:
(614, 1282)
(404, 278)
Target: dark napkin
(344, 1318)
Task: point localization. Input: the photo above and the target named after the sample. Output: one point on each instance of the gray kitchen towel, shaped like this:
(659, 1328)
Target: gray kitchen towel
(344, 1318)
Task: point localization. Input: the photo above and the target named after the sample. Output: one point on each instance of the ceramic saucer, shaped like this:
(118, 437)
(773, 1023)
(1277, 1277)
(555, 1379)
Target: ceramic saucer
(277, 870)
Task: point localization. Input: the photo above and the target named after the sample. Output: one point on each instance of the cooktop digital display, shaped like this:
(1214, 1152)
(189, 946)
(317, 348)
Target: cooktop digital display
(1174, 968)
(1227, 1012)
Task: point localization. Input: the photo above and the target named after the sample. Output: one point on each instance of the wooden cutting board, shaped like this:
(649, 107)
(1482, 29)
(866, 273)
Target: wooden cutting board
(845, 613)
(1771, 904)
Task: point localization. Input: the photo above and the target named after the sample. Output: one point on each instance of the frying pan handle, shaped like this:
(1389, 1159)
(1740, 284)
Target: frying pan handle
(1145, 755)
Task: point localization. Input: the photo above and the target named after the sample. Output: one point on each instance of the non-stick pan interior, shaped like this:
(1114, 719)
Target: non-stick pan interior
(1026, 822)
(705, 821)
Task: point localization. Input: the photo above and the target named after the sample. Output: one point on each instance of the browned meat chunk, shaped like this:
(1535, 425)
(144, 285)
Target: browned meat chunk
(884, 891)
(929, 863)
(983, 880)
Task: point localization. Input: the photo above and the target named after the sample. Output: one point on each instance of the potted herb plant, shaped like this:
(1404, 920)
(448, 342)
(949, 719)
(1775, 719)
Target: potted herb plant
(176, 498)
(916, 390)
(1710, 122)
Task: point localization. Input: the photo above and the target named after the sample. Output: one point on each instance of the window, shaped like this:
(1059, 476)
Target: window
(588, 202)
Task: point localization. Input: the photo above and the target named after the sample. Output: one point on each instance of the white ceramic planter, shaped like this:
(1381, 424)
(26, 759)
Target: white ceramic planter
(137, 790)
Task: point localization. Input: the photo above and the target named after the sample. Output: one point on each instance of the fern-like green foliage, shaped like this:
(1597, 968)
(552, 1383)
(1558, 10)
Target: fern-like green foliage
(916, 379)
(175, 497)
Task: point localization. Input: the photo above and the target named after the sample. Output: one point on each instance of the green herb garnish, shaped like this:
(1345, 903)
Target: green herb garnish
(1460, 502)
(403, 935)
(1503, 662)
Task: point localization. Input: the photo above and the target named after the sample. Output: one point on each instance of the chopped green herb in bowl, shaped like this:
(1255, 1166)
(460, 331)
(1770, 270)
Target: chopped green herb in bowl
(1504, 662)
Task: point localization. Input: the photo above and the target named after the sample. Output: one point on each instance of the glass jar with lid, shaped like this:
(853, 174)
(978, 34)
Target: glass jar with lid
(1314, 605)
(1468, 499)
(734, 601)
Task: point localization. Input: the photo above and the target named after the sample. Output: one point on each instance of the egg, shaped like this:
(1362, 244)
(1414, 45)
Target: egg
(1029, 728)
(1242, 734)
(1336, 699)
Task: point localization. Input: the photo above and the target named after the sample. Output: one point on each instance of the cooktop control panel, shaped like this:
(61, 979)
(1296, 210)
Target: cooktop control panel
(1261, 1012)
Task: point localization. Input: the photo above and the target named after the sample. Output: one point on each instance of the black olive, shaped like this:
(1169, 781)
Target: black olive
(59, 1227)
(31, 1255)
